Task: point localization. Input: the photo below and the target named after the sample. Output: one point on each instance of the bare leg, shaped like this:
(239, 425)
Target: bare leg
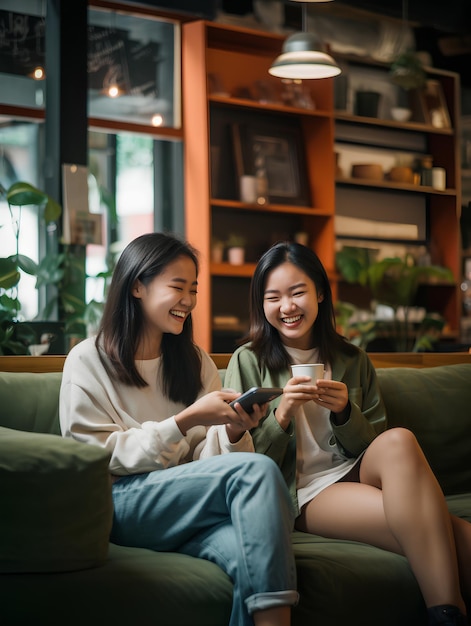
(462, 532)
(399, 506)
(280, 616)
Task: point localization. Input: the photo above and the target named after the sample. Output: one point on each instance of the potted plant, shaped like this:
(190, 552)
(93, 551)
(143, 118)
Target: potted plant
(63, 270)
(407, 72)
(217, 250)
(393, 282)
(15, 338)
(236, 249)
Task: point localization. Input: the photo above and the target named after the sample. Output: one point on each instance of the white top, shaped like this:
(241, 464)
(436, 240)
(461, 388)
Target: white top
(318, 461)
(136, 425)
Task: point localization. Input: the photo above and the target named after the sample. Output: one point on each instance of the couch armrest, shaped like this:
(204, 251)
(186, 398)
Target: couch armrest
(56, 503)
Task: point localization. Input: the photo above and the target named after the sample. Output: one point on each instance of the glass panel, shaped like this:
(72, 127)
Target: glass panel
(134, 69)
(135, 186)
(22, 54)
(134, 180)
(19, 162)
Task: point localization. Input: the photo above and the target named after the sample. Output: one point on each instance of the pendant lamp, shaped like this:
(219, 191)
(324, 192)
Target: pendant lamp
(301, 58)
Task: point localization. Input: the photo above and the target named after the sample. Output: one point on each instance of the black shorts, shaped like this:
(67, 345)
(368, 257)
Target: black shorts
(353, 475)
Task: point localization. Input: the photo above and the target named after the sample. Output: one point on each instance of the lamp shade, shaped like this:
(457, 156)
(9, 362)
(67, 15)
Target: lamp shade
(300, 58)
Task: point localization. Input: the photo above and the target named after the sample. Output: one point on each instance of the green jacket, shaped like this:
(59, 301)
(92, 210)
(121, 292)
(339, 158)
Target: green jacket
(367, 416)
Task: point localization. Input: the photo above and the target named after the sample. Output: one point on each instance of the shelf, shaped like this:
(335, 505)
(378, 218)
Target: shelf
(247, 269)
(242, 39)
(374, 121)
(224, 69)
(269, 208)
(389, 185)
(435, 213)
(226, 269)
(237, 60)
(260, 106)
(369, 61)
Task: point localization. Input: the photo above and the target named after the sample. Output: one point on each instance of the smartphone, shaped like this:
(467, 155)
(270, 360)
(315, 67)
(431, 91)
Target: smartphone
(257, 395)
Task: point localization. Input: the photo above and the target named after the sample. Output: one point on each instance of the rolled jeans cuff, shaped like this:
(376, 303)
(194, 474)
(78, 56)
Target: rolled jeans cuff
(271, 599)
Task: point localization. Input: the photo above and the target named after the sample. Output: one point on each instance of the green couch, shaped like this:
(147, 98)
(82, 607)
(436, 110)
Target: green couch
(57, 567)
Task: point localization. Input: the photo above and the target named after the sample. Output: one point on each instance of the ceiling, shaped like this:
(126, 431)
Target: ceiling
(441, 28)
(453, 16)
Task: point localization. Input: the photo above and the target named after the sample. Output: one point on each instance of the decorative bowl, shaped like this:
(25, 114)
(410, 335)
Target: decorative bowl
(372, 171)
(400, 174)
(401, 114)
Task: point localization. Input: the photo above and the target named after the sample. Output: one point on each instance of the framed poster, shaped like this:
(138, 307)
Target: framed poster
(279, 147)
(79, 226)
(434, 103)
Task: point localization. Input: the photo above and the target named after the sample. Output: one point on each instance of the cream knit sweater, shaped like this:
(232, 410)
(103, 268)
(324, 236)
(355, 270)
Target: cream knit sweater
(136, 425)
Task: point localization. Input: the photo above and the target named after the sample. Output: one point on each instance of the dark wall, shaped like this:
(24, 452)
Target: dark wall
(434, 20)
(453, 16)
(202, 8)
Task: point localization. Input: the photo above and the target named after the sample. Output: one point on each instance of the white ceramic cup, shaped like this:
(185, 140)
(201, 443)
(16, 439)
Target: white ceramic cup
(248, 189)
(439, 178)
(314, 370)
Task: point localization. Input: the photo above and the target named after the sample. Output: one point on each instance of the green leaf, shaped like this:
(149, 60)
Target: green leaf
(25, 333)
(9, 307)
(9, 274)
(353, 262)
(72, 304)
(407, 71)
(108, 200)
(27, 265)
(49, 308)
(20, 194)
(53, 210)
(93, 313)
(50, 270)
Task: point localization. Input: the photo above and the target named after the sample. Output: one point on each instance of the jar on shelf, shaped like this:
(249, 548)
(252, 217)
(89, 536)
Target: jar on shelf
(426, 172)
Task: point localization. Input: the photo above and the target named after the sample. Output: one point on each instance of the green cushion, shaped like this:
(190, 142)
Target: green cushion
(30, 401)
(347, 582)
(135, 586)
(460, 505)
(56, 507)
(435, 404)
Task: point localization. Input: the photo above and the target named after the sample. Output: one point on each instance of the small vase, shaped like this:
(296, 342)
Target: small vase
(236, 255)
(217, 254)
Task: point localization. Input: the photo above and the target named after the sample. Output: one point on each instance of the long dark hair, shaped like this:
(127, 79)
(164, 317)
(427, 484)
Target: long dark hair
(265, 340)
(123, 323)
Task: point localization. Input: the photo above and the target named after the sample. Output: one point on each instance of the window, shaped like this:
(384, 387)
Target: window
(133, 69)
(19, 155)
(135, 155)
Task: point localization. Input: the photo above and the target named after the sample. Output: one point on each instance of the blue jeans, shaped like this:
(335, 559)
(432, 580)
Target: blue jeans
(233, 509)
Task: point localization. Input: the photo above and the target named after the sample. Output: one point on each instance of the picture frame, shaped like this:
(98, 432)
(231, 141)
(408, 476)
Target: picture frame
(86, 228)
(282, 149)
(79, 227)
(434, 105)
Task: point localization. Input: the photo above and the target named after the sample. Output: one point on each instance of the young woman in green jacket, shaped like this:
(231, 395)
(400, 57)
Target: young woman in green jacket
(351, 478)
